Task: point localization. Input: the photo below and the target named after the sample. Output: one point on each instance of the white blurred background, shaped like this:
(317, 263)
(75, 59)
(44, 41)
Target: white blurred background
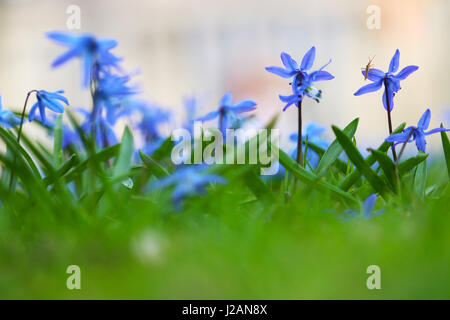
(208, 47)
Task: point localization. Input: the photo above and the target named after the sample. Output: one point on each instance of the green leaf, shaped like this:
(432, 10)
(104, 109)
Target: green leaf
(256, 185)
(310, 178)
(154, 167)
(407, 165)
(18, 151)
(101, 156)
(335, 149)
(446, 147)
(69, 164)
(340, 165)
(164, 150)
(272, 122)
(352, 152)
(420, 179)
(57, 142)
(351, 179)
(388, 167)
(44, 158)
(125, 158)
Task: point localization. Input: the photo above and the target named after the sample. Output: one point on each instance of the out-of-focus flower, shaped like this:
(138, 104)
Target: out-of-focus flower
(70, 137)
(110, 94)
(152, 116)
(366, 210)
(7, 118)
(416, 133)
(302, 83)
(228, 111)
(88, 48)
(46, 99)
(314, 134)
(389, 79)
(100, 128)
(187, 181)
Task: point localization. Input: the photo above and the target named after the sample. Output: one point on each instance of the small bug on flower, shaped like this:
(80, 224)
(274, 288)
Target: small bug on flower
(367, 68)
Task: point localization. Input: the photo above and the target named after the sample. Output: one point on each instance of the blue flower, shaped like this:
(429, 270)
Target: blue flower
(103, 131)
(110, 94)
(187, 181)
(46, 99)
(88, 48)
(7, 118)
(366, 210)
(302, 83)
(152, 117)
(389, 79)
(314, 133)
(416, 133)
(70, 137)
(228, 111)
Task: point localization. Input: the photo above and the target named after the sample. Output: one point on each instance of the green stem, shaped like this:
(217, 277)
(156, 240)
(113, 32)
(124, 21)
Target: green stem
(19, 133)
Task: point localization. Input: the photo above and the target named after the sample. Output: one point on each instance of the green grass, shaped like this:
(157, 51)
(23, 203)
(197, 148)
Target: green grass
(245, 240)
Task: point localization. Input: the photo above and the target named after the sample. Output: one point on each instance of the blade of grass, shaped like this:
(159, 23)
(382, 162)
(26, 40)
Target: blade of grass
(351, 179)
(153, 166)
(352, 152)
(101, 156)
(446, 147)
(407, 165)
(69, 164)
(388, 168)
(335, 149)
(420, 179)
(57, 142)
(310, 178)
(125, 157)
(18, 150)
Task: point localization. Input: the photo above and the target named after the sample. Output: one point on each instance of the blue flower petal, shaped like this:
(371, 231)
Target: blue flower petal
(65, 57)
(436, 131)
(288, 62)
(209, 116)
(424, 121)
(243, 106)
(290, 100)
(402, 75)
(390, 97)
(308, 59)
(420, 141)
(401, 137)
(281, 72)
(374, 74)
(32, 113)
(369, 88)
(368, 205)
(321, 76)
(226, 100)
(395, 62)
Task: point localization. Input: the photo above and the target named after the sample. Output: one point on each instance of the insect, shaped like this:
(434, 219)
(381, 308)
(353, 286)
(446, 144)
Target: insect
(367, 68)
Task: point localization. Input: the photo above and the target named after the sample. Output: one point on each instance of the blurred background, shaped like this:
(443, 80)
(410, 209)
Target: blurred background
(206, 48)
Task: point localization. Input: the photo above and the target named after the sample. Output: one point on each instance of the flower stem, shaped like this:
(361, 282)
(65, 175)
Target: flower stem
(299, 141)
(404, 146)
(19, 133)
(388, 105)
(300, 120)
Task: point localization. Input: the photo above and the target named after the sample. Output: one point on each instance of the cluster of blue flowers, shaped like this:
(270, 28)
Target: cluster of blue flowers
(113, 98)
